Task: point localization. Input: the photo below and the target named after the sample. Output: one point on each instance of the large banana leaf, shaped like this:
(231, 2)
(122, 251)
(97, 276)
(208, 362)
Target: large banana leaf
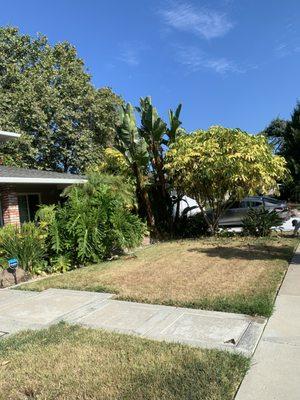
(174, 122)
(130, 141)
(153, 127)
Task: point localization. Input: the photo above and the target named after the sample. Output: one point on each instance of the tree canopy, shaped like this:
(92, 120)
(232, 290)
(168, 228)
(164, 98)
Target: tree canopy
(285, 136)
(47, 96)
(221, 165)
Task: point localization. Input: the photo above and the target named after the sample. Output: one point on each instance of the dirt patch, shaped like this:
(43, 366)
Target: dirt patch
(7, 277)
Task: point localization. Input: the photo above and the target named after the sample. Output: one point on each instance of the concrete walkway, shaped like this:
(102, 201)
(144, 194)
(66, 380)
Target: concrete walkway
(31, 310)
(275, 371)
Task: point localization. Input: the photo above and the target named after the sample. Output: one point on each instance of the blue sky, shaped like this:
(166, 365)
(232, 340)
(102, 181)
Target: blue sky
(233, 63)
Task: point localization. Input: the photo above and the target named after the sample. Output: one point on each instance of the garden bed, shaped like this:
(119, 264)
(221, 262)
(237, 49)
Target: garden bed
(69, 362)
(227, 274)
(7, 277)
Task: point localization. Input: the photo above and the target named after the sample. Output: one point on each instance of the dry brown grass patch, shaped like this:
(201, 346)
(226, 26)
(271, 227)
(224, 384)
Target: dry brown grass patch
(72, 363)
(191, 273)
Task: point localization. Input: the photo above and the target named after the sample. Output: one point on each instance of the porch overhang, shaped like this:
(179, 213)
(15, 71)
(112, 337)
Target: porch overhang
(12, 176)
(5, 136)
(53, 181)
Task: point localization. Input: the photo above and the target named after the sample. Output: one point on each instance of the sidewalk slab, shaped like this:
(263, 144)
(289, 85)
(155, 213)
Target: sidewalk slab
(284, 325)
(126, 317)
(207, 329)
(11, 297)
(46, 307)
(10, 325)
(291, 284)
(210, 329)
(274, 374)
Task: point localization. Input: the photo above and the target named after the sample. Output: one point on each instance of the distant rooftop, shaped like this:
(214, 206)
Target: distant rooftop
(24, 175)
(4, 136)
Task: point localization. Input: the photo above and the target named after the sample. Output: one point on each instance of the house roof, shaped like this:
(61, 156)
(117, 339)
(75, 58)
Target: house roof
(24, 175)
(4, 136)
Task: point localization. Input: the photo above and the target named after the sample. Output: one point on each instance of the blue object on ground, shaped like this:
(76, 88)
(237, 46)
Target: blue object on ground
(13, 263)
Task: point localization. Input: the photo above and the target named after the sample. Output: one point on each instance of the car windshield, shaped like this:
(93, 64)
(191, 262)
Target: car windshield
(254, 202)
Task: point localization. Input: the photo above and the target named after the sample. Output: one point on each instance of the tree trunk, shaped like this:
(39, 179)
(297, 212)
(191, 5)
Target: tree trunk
(158, 167)
(142, 195)
(210, 224)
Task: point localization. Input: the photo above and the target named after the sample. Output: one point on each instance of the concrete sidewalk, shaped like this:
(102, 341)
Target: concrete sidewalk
(225, 331)
(275, 371)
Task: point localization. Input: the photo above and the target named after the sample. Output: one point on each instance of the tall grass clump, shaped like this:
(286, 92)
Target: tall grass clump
(26, 243)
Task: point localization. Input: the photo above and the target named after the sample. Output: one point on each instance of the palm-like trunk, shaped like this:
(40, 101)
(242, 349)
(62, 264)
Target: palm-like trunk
(158, 167)
(142, 194)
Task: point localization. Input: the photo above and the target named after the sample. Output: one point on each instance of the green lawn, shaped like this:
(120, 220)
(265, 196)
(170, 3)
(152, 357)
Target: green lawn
(69, 362)
(227, 274)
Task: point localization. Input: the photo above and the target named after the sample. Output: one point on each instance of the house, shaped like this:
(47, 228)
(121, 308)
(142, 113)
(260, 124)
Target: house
(22, 190)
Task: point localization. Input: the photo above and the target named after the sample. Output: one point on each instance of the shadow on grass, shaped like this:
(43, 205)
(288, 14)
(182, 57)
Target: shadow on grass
(296, 259)
(249, 252)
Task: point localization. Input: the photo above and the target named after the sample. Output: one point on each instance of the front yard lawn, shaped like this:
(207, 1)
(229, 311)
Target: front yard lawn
(227, 274)
(69, 362)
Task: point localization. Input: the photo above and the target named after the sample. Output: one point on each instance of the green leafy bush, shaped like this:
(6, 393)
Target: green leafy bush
(60, 263)
(26, 243)
(258, 222)
(94, 222)
(191, 226)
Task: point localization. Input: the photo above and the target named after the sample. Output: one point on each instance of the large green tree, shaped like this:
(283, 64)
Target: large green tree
(285, 136)
(47, 95)
(219, 166)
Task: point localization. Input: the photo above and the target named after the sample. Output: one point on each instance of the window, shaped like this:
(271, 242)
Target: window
(253, 203)
(244, 204)
(236, 204)
(250, 203)
(28, 205)
(271, 200)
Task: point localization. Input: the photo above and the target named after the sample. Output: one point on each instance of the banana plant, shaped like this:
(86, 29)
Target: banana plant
(158, 137)
(135, 149)
(153, 129)
(144, 148)
(174, 124)
(173, 131)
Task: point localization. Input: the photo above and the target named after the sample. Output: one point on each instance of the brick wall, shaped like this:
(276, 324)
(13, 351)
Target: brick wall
(9, 203)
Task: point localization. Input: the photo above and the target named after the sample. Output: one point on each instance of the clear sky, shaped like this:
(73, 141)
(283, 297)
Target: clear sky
(230, 62)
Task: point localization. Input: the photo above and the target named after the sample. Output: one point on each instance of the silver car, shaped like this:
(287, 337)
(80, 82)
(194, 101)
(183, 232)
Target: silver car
(234, 215)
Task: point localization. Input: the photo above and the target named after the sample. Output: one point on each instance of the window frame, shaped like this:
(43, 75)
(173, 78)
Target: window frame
(27, 202)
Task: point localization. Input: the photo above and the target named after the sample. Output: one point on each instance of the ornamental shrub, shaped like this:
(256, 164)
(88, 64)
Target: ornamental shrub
(26, 243)
(94, 223)
(192, 226)
(258, 222)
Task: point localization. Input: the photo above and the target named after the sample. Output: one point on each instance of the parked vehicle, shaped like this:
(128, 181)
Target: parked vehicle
(234, 215)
